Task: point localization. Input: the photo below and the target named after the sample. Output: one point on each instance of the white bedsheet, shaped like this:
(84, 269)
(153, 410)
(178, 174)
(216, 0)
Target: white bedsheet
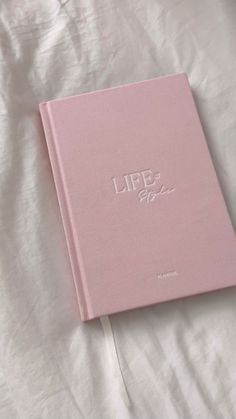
(178, 359)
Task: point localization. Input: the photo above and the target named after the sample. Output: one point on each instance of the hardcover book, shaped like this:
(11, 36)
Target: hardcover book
(143, 213)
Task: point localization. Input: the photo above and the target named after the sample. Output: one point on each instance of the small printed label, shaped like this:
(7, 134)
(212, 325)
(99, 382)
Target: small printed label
(165, 275)
(146, 184)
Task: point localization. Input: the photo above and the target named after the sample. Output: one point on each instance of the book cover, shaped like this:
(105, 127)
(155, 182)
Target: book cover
(144, 216)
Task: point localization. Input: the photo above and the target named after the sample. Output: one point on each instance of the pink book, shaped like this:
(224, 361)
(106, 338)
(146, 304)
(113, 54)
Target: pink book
(144, 217)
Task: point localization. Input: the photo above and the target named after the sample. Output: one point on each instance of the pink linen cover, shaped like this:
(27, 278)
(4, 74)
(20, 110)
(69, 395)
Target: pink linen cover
(143, 213)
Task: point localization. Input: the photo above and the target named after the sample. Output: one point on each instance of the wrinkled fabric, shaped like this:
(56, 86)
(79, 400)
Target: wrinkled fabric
(178, 359)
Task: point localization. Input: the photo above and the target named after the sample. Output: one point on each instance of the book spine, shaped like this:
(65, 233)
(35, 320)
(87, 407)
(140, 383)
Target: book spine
(66, 215)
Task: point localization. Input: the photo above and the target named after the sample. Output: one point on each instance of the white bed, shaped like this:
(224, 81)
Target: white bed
(178, 359)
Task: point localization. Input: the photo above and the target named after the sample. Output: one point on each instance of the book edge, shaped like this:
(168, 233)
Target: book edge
(125, 85)
(46, 118)
(210, 158)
